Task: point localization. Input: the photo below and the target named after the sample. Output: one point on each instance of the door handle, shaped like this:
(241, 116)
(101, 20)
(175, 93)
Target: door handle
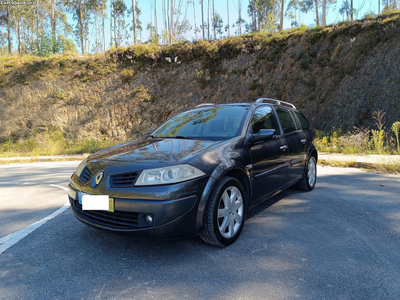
(283, 148)
(303, 141)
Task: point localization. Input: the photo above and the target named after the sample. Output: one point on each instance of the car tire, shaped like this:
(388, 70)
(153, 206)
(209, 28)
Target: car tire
(309, 178)
(225, 213)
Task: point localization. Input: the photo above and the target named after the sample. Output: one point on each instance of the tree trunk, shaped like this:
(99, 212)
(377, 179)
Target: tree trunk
(379, 7)
(1, 34)
(213, 22)
(208, 20)
(194, 18)
(227, 11)
(53, 20)
(171, 29)
(316, 11)
(324, 12)
(165, 17)
(202, 18)
(9, 29)
(134, 21)
(111, 22)
(115, 28)
(103, 44)
(283, 14)
(81, 25)
(240, 17)
(156, 22)
(351, 10)
(19, 35)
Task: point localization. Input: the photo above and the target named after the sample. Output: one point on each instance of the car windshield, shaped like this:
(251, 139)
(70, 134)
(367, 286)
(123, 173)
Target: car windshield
(212, 123)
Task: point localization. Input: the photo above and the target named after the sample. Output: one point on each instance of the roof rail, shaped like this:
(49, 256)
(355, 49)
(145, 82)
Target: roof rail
(205, 104)
(274, 101)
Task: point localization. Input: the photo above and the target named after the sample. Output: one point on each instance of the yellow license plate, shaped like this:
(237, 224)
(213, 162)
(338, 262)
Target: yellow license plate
(111, 204)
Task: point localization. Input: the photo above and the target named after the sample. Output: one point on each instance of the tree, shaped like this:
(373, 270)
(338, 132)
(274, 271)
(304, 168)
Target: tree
(134, 21)
(120, 27)
(227, 11)
(239, 21)
(182, 29)
(316, 11)
(218, 24)
(202, 18)
(193, 2)
(396, 130)
(214, 20)
(8, 28)
(263, 15)
(171, 29)
(78, 9)
(53, 19)
(283, 14)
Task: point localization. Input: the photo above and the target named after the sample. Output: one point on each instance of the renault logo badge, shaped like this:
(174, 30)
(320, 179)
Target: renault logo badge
(98, 177)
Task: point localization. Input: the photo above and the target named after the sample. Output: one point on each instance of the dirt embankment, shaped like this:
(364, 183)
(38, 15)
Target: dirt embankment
(337, 75)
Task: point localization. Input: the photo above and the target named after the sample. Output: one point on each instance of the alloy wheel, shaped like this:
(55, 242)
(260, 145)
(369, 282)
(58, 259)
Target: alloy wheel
(230, 212)
(312, 172)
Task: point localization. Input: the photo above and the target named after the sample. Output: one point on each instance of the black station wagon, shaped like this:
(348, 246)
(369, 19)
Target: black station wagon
(198, 173)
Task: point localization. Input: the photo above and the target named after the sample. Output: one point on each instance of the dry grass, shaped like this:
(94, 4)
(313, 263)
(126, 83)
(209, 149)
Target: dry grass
(384, 168)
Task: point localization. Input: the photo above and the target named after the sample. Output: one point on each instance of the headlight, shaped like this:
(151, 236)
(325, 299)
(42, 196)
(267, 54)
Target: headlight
(80, 168)
(167, 175)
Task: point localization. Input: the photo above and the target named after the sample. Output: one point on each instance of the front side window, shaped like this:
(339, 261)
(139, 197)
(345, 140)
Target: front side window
(286, 119)
(263, 118)
(214, 123)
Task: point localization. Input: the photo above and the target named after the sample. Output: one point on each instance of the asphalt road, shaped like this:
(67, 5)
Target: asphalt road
(340, 241)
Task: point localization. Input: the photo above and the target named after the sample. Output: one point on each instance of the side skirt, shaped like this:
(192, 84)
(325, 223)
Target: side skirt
(272, 194)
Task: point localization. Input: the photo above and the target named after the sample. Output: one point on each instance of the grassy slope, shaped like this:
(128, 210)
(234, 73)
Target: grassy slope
(126, 62)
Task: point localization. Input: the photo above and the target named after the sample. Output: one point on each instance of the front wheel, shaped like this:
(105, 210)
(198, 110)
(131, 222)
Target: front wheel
(307, 182)
(225, 213)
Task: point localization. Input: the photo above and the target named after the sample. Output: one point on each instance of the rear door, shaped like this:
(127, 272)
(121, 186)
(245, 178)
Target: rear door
(296, 142)
(269, 157)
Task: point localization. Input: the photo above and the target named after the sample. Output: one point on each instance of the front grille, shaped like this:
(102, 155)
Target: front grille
(115, 220)
(123, 180)
(86, 174)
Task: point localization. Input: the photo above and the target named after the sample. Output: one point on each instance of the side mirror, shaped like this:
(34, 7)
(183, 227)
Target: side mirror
(264, 134)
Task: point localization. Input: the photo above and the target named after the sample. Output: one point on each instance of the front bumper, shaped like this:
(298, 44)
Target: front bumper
(173, 208)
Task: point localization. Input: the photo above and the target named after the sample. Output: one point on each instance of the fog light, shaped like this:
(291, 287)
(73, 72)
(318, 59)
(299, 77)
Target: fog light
(148, 219)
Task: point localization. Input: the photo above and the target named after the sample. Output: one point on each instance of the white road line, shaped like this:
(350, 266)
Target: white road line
(59, 186)
(13, 238)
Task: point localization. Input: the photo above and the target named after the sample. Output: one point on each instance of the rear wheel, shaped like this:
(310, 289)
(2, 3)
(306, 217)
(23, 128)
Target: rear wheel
(225, 213)
(307, 182)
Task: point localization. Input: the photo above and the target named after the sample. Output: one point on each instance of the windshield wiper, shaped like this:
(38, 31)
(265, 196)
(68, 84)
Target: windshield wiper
(181, 137)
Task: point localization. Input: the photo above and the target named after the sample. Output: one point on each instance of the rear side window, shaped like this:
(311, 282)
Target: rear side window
(298, 125)
(286, 119)
(263, 118)
(303, 121)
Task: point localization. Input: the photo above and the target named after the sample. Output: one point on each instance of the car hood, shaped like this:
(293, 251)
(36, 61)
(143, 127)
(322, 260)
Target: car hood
(154, 151)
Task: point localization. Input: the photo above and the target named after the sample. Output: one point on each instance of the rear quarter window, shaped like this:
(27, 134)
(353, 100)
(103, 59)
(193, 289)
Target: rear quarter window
(303, 121)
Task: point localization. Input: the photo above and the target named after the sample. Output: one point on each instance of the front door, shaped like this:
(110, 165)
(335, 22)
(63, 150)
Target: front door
(269, 157)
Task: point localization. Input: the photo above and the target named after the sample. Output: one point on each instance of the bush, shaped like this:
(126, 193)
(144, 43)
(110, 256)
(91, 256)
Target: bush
(127, 74)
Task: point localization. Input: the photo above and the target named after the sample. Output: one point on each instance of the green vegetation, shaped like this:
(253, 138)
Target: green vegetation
(127, 74)
(360, 141)
(267, 47)
(51, 142)
(396, 129)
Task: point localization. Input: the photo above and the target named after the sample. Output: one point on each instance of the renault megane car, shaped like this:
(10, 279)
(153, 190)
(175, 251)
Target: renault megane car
(199, 173)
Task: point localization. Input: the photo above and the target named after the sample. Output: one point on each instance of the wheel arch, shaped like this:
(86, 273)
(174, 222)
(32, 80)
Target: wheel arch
(235, 170)
(313, 152)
